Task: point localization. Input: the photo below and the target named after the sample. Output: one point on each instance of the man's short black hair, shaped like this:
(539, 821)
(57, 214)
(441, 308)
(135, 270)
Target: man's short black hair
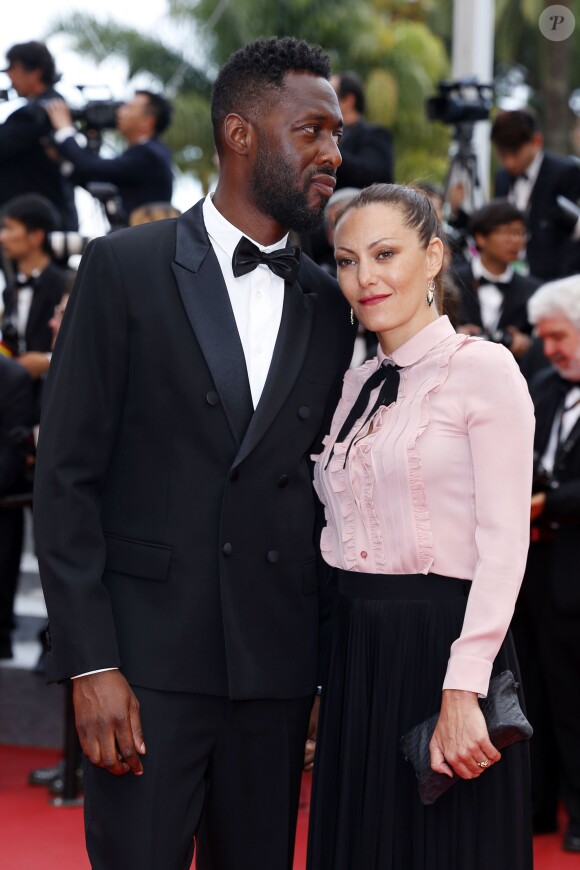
(350, 83)
(511, 130)
(35, 212)
(34, 55)
(160, 108)
(494, 214)
(254, 75)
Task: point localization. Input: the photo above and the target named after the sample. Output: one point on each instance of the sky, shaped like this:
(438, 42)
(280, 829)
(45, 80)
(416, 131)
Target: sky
(24, 20)
(36, 17)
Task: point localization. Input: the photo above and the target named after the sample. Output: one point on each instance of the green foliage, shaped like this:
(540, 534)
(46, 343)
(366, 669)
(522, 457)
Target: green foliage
(387, 42)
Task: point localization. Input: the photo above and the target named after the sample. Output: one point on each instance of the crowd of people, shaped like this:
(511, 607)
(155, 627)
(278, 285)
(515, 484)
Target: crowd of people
(279, 525)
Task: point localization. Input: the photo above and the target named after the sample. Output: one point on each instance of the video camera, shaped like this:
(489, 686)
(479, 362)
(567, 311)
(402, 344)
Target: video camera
(96, 115)
(463, 101)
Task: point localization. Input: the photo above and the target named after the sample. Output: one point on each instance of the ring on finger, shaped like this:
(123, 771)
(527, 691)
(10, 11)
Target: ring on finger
(484, 763)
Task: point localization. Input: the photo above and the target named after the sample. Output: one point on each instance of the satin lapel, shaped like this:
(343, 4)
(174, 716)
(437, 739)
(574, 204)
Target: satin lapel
(546, 409)
(207, 305)
(287, 360)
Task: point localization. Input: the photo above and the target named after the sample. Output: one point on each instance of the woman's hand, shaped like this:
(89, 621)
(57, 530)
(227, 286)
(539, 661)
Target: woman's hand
(460, 739)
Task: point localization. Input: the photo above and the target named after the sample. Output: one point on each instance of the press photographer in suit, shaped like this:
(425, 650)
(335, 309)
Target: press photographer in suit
(25, 164)
(494, 297)
(547, 620)
(532, 178)
(143, 172)
(174, 507)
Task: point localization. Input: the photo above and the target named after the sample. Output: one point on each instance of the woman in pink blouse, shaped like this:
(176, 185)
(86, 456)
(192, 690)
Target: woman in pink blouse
(425, 478)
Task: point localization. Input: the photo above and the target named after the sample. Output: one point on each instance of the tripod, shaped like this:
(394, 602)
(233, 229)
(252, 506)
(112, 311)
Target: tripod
(463, 170)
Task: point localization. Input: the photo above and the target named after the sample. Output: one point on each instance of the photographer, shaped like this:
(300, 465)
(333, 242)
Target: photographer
(494, 297)
(39, 284)
(25, 164)
(143, 172)
(547, 620)
(532, 179)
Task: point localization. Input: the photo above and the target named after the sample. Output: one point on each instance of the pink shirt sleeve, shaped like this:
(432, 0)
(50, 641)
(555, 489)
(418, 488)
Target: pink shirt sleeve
(500, 423)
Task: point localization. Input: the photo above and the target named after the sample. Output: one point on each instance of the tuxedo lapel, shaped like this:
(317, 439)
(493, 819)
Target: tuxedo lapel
(287, 360)
(208, 308)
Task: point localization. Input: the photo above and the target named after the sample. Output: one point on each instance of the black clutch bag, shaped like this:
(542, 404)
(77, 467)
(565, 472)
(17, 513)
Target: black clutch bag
(506, 724)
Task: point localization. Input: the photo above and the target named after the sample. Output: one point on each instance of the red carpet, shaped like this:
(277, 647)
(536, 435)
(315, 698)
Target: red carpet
(36, 835)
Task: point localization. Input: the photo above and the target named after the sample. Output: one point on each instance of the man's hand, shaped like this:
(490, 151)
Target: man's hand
(108, 722)
(310, 747)
(59, 114)
(35, 363)
(520, 341)
(460, 740)
(538, 503)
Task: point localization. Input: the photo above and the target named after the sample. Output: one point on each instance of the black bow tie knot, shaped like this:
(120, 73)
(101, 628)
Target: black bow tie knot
(283, 262)
(22, 281)
(387, 375)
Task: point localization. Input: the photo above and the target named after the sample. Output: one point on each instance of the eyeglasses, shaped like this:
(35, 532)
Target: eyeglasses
(522, 235)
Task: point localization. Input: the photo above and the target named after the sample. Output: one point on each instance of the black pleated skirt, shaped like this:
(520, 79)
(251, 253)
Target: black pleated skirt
(389, 652)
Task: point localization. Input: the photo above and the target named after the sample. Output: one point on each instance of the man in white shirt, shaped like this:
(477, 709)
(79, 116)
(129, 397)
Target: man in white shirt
(38, 284)
(494, 296)
(533, 179)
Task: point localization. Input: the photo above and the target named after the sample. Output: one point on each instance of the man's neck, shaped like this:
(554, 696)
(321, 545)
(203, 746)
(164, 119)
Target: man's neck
(493, 266)
(39, 260)
(240, 211)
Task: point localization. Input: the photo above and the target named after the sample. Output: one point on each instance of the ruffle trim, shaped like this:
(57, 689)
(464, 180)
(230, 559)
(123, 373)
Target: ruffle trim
(344, 543)
(421, 514)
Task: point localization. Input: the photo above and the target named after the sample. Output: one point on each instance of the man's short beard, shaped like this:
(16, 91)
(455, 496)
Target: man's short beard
(276, 195)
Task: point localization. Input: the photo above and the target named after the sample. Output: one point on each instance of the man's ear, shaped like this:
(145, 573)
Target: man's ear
(238, 134)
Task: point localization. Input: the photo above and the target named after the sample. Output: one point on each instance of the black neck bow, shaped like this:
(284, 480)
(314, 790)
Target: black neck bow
(387, 374)
(283, 262)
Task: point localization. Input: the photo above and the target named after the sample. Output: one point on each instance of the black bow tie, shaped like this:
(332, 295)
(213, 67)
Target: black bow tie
(22, 281)
(283, 262)
(501, 285)
(387, 374)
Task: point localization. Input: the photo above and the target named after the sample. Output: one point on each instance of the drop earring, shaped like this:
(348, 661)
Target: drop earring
(430, 292)
(351, 317)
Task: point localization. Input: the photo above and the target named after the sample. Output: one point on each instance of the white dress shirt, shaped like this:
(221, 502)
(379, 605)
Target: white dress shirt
(564, 422)
(490, 297)
(522, 187)
(256, 299)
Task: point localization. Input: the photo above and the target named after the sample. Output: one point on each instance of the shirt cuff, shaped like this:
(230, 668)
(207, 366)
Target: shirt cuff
(64, 133)
(468, 674)
(88, 673)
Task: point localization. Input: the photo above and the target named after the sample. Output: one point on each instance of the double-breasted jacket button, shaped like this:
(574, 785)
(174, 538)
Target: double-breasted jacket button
(234, 473)
(227, 549)
(212, 398)
(272, 556)
(283, 481)
(304, 412)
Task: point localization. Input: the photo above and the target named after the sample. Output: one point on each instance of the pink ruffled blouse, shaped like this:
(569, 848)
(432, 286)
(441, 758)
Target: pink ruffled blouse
(439, 483)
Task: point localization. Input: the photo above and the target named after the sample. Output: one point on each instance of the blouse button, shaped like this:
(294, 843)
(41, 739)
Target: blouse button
(363, 554)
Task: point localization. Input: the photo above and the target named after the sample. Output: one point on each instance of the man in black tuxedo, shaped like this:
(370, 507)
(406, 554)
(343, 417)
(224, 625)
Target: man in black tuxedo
(366, 149)
(174, 512)
(533, 178)
(494, 297)
(16, 419)
(547, 619)
(39, 284)
(25, 164)
(143, 172)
